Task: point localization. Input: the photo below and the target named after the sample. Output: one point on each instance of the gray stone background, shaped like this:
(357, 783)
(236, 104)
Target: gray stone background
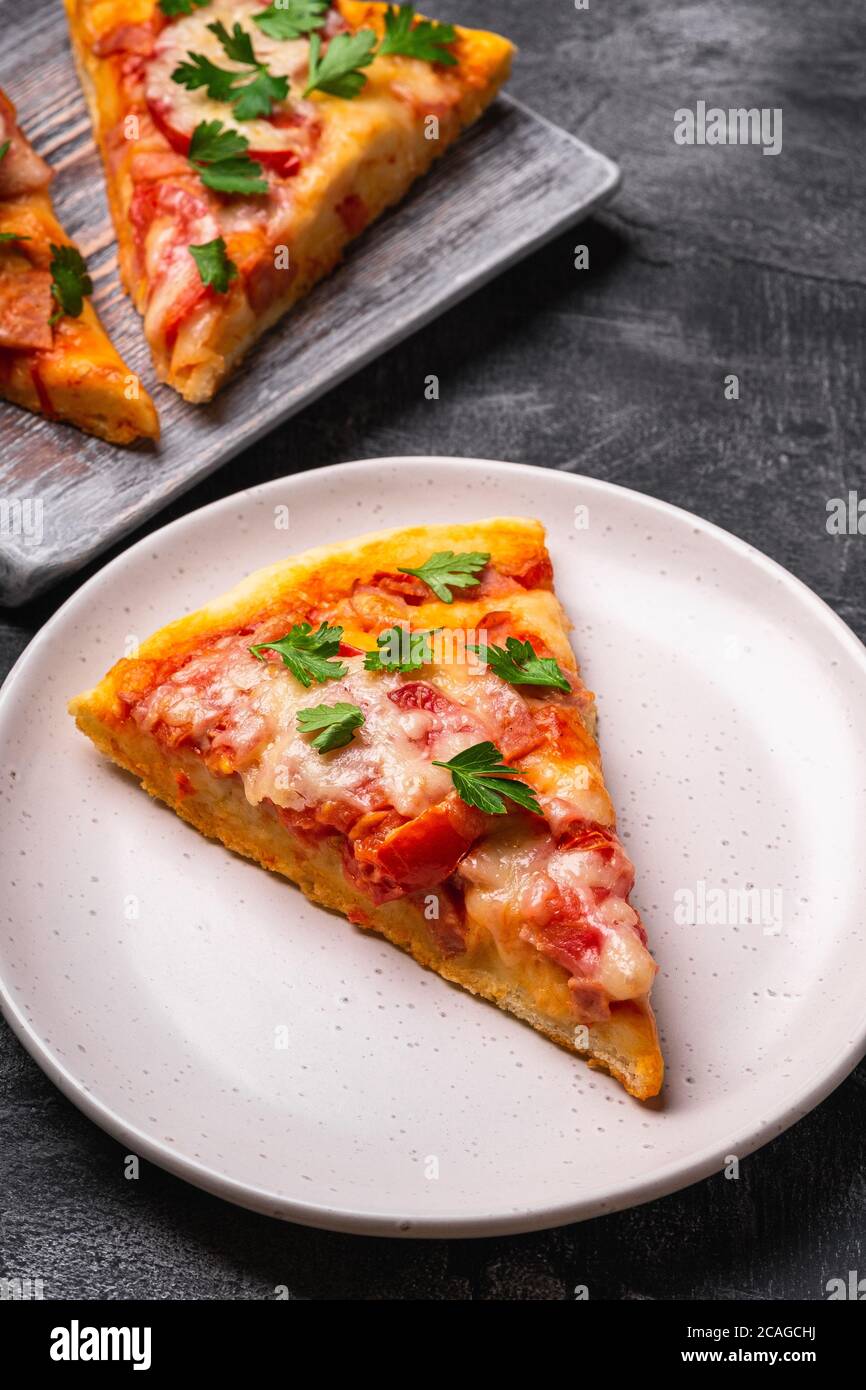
(709, 261)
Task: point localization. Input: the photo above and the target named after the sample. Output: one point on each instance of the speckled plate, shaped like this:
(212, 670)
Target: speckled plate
(216, 1023)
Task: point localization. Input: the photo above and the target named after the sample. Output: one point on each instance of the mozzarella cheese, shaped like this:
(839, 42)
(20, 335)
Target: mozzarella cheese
(242, 715)
(227, 701)
(515, 879)
(182, 109)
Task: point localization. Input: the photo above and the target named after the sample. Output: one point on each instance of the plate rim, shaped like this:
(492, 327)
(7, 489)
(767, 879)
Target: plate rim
(676, 1175)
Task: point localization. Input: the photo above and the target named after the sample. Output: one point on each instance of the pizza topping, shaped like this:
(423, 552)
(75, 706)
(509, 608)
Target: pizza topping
(25, 308)
(209, 66)
(399, 649)
(445, 571)
(134, 39)
(422, 852)
(214, 266)
(517, 663)
(567, 903)
(70, 282)
(251, 92)
(21, 168)
(221, 161)
(407, 771)
(338, 72)
(482, 779)
(306, 653)
(336, 722)
(172, 8)
(417, 38)
(291, 19)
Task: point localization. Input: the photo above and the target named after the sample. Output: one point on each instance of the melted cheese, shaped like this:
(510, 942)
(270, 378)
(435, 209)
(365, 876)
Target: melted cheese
(225, 700)
(528, 893)
(514, 879)
(388, 762)
(184, 109)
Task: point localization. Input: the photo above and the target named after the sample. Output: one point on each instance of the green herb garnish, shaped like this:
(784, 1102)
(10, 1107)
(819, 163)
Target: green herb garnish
(214, 266)
(172, 8)
(445, 571)
(220, 159)
(70, 282)
(337, 723)
(517, 663)
(401, 650)
(307, 654)
(339, 72)
(482, 779)
(252, 94)
(291, 19)
(425, 40)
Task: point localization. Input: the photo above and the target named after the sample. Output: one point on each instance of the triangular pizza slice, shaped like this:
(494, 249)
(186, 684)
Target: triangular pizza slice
(55, 356)
(398, 724)
(245, 144)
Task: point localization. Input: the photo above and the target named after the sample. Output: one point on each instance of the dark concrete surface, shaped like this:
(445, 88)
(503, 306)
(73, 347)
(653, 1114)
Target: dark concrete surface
(710, 261)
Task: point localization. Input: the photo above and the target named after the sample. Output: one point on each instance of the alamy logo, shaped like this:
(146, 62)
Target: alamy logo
(22, 517)
(738, 125)
(16, 1289)
(846, 516)
(854, 1289)
(77, 1343)
(704, 906)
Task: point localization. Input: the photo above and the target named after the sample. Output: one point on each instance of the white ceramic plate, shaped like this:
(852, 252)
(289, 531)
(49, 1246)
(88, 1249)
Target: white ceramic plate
(148, 971)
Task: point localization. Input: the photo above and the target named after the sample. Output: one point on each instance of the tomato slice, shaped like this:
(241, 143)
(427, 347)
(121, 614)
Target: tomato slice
(424, 851)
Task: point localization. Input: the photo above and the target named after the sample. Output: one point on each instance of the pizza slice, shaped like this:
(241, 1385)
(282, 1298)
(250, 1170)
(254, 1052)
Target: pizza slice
(246, 144)
(55, 357)
(397, 724)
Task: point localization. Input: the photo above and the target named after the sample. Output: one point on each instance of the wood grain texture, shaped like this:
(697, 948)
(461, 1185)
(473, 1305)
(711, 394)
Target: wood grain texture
(511, 183)
(729, 262)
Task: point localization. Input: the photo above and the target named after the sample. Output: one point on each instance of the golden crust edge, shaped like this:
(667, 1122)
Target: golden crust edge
(510, 541)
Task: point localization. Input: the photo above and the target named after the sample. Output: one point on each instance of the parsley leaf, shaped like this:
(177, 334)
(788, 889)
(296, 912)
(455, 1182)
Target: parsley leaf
(201, 72)
(71, 283)
(307, 653)
(13, 236)
(516, 662)
(445, 571)
(236, 45)
(251, 94)
(425, 40)
(482, 779)
(4, 148)
(339, 71)
(220, 159)
(214, 266)
(172, 8)
(400, 650)
(337, 722)
(257, 97)
(291, 19)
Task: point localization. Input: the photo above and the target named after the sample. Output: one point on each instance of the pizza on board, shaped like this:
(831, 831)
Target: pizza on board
(55, 356)
(398, 724)
(246, 144)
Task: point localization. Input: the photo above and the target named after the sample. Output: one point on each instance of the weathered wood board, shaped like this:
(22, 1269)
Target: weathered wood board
(510, 185)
